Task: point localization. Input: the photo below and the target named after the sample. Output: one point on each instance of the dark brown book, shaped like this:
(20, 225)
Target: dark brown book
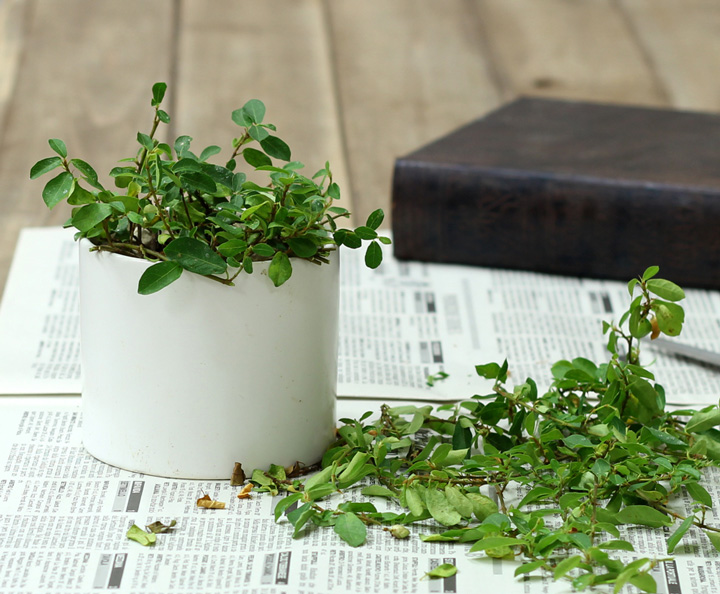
(569, 188)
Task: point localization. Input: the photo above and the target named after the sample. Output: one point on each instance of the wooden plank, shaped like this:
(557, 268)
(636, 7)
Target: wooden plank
(408, 71)
(275, 51)
(85, 77)
(683, 45)
(13, 16)
(568, 49)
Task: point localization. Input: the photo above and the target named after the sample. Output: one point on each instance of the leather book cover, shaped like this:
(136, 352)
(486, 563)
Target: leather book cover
(565, 187)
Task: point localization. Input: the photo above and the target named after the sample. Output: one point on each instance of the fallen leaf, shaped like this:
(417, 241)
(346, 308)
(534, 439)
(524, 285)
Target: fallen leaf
(160, 528)
(398, 531)
(238, 475)
(245, 492)
(139, 535)
(208, 503)
(442, 571)
(300, 469)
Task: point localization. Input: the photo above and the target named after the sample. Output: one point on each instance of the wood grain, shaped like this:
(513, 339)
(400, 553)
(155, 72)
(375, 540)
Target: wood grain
(408, 71)
(570, 49)
(276, 51)
(85, 77)
(682, 40)
(13, 14)
(358, 83)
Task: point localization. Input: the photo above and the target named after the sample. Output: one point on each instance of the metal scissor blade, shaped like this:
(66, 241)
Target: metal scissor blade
(685, 350)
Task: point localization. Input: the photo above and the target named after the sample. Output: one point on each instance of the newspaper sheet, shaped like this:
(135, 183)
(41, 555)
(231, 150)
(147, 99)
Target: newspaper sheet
(398, 325)
(64, 515)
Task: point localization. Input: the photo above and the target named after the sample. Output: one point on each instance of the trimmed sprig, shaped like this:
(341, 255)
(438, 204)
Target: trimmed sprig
(596, 451)
(183, 213)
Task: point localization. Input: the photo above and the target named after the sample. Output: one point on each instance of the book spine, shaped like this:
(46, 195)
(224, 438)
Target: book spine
(555, 224)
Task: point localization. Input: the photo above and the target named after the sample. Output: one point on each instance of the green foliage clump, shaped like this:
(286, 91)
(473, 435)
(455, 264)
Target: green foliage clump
(596, 451)
(182, 212)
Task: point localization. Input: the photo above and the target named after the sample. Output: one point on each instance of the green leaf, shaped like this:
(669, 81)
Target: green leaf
(578, 441)
(302, 247)
(645, 393)
(199, 181)
(703, 420)
(258, 133)
(145, 141)
(232, 247)
(459, 501)
(351, 529)
(650, 271)
(354, 470)
(209, 152)
(300, 516)
(256, 158)
(632, 283)
(80, 196)
(158, 92)
(275, 147)
(284, 503)
(442, 571)
(493, 542)
(280, 269)
(264, 250)
(366, 233)
(85, 169)
(643, 515)
(163, 117)
(182, 146)
(58, 146)
(254, 110)
(319, 478)
(489, 370)
(665, 289)
(195, 256)
(676, 536)
(714, 538)
(669, 317)
(699, 493)
(57, 189)
(616, 545)
(373, 255)
(90, 215)
(440, 508)
(158, 276)
(483, 506)
(414, 501)
(139, 535)
(529, 567)
(375, 219)
(644, 581)
(377, 491)
(566, 565)
(44, 165)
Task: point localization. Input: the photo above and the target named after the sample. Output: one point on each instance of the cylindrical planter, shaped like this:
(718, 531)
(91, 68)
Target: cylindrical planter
(189, 380)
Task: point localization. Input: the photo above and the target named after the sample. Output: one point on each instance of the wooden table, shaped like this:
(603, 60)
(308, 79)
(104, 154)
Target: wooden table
(358, 83)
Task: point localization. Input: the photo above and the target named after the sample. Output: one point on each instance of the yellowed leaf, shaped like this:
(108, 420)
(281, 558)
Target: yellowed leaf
(245, 492)
(208, 503)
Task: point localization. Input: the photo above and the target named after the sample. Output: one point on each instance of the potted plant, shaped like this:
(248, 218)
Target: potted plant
(186, 374)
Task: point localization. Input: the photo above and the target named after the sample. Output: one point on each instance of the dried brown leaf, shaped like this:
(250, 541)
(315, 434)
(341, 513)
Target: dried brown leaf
(300, 469)
(208, 503)
(160, 528)
(238, 475)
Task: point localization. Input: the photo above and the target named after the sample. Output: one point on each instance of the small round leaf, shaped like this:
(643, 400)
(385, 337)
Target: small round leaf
(280, 269)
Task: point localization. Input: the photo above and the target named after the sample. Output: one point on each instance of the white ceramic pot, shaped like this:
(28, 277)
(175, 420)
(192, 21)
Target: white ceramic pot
(187, 381)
